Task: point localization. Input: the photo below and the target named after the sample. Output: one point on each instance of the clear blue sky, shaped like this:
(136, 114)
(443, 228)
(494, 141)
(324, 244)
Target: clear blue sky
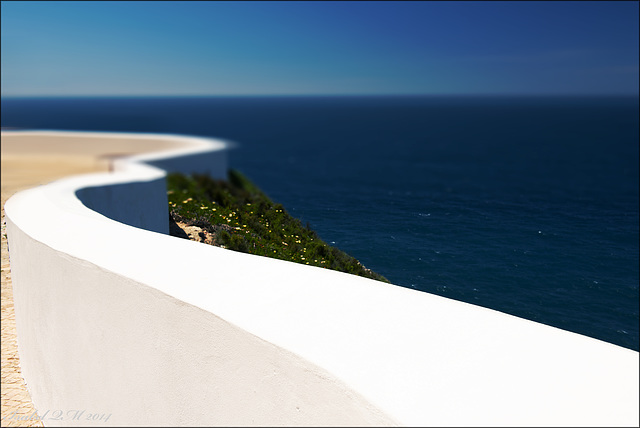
(293, 48)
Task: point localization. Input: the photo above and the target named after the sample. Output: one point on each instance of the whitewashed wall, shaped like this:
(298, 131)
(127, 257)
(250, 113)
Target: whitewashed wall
(150, 329)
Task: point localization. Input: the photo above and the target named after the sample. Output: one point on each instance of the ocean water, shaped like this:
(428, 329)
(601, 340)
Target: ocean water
(524, 205)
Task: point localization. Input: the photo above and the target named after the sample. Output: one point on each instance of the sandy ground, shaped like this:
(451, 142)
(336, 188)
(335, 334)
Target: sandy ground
(30, 160)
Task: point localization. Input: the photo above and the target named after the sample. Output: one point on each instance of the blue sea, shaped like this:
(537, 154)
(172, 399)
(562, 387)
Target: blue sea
(526, 205)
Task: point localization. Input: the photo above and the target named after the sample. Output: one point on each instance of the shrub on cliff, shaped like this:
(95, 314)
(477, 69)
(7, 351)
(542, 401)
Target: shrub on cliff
(242, 218)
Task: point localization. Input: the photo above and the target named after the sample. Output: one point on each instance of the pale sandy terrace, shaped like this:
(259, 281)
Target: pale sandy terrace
(29, 160)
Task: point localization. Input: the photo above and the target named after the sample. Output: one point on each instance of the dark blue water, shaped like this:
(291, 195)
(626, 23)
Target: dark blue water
(524, 205)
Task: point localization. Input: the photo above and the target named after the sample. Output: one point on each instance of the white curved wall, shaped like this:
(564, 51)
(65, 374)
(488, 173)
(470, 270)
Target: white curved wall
(156, 330)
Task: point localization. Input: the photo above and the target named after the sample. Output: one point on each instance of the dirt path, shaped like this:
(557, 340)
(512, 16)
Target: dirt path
(17, 409)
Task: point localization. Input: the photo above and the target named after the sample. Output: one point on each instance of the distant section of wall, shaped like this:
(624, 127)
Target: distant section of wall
(126, 203)
(142, 202)
(155, 330)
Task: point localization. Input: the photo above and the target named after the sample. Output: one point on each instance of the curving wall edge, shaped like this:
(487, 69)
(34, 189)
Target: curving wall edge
(115, 317)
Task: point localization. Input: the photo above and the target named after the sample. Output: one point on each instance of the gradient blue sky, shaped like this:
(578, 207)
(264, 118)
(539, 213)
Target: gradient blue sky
(293, 48)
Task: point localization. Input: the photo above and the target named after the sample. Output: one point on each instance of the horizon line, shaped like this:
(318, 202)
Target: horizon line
(311, 95)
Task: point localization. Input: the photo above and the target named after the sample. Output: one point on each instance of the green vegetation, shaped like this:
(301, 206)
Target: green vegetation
(240, 217)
